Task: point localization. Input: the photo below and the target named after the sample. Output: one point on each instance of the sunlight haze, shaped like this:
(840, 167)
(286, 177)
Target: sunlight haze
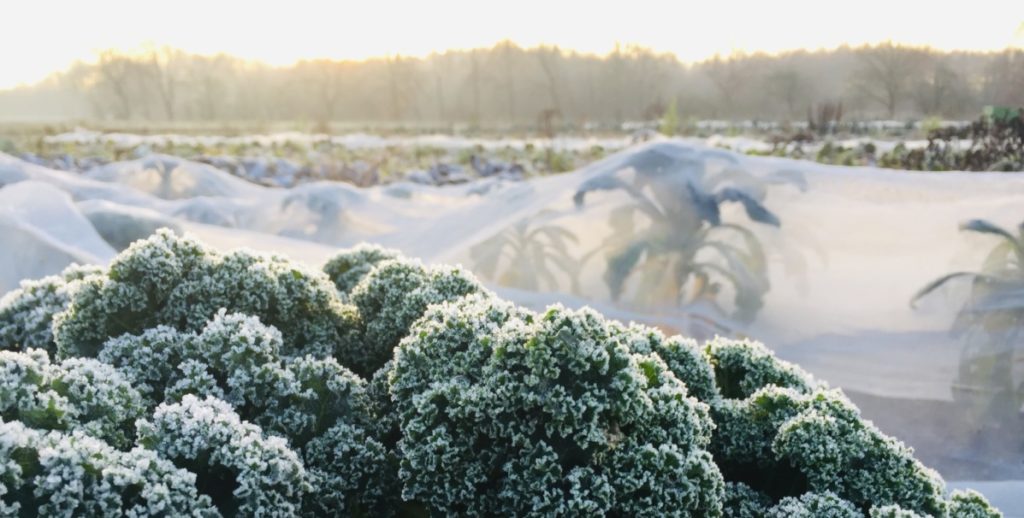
(58, 33)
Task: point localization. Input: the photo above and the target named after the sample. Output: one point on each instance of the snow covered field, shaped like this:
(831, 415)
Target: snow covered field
(831, 287)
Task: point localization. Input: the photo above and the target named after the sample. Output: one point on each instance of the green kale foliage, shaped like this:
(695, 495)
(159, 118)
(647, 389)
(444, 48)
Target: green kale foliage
(572, 421)
(185, 381)
(177, 282)
(26, 314)
(349, 267)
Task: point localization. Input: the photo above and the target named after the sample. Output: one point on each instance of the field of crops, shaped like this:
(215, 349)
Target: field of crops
(226, 346)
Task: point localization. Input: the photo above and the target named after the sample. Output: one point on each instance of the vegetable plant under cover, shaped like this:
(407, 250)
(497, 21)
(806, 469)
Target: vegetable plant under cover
(185, 381)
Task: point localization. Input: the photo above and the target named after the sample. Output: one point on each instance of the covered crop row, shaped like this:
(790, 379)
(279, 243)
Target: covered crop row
(181, 380)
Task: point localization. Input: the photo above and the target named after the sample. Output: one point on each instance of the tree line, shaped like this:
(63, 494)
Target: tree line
(511, 85)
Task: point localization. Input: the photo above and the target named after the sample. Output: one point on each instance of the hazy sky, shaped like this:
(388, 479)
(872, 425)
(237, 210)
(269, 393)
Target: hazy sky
(38, 37)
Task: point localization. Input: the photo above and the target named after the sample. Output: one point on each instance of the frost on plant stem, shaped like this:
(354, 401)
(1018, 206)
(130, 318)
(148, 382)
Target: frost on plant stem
(350, 266)
(506, 412)
(392, 296)
(26, 313)
(73, 474)
(178, 282)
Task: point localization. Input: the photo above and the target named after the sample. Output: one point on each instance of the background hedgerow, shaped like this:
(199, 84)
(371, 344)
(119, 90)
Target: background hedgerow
(184, 381)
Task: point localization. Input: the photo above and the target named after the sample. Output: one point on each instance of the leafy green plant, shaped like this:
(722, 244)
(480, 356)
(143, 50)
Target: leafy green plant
(527, 255)
(670, 120)
(990, 322)
(988, 144)
(26, 314)
(671, 237)
(482, 408)
(504, 412)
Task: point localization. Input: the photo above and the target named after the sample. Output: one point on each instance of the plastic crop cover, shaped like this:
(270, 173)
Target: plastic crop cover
(905, 289)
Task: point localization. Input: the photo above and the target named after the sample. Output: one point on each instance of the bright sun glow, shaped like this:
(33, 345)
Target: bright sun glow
(44, 36)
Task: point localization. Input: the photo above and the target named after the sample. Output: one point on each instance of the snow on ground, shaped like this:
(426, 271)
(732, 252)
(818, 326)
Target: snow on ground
(853, 246)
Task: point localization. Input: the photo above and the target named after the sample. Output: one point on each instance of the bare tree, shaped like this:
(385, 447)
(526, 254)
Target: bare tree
(475, 79)
(1004, 79)
(937, 92)
(324, 80)
(207, 75)
(164, 67)
(402, 91)
(885, 74)
(788, 86)
(728, 77)
(393, 94)
(117, 73)
(615, 83)
(440, 65)
(547, 58)
(507, 49)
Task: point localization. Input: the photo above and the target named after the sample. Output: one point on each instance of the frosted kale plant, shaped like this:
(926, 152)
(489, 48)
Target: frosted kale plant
(245, 471)
(504, 412)
(186, 381)
(26, 314)
(390, 298)
(782, 434)
(349, 267)
(74, 474)
(76, 394)
(317, 405)
(180, 283)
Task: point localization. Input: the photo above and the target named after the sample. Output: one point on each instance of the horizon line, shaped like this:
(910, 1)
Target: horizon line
(149, 46)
